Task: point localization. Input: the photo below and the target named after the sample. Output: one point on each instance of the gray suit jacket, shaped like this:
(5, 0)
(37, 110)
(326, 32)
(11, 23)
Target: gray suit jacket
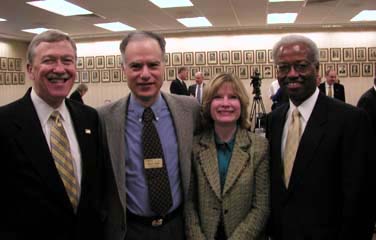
(185, 115)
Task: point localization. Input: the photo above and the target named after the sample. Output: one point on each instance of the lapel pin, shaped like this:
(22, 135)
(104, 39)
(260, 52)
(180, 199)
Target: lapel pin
(87, 131)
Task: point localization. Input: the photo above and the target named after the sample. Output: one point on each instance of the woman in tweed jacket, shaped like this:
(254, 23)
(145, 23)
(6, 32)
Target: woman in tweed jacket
(229, 190)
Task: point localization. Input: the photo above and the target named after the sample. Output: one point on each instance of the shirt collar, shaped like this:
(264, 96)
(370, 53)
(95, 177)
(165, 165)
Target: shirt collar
(327, 85)
(306, 107)
(136, 107)
(227, 145)
(44, 110)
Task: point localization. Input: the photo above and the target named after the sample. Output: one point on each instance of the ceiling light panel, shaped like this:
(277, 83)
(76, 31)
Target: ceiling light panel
(60, 7)
(115, 26)
(171, 3)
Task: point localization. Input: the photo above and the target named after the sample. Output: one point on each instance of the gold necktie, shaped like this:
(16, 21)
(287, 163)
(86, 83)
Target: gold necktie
(60, 151)
(330, 92)
(292, 143)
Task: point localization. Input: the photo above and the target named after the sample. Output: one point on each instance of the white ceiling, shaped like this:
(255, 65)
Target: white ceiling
(225, 15)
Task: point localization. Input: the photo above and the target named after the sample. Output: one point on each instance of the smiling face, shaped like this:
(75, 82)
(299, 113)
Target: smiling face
(297, 72)
(225, 107)
(144, 67)
(53, 71)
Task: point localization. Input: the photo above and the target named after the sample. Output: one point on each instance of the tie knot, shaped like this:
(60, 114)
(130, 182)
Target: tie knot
(295, 113)
(55, 115)
(148, 115)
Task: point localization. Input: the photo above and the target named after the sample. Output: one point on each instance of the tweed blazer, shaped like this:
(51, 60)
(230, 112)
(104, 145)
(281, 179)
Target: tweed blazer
(185, 116)
(244, 202)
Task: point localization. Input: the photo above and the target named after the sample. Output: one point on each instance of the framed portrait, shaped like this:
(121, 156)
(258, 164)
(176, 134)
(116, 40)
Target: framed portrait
(80, 63)
(367, 69)
(200, 58)
(254, 69)
(105, 76)
(192, 72)
(188, 58)
(170, 73)
(212, 57)
(78, 77)
(22, 78)
(2, 78)
(217, 70)
(323, 55)
(95, 76)
(89, 62)
(8, 78)
(15, 78)
(110, 61)
(267, 71)
(354, 69)
(167, 59)
(348, 54)
(176, 59)
(360, 54)
(207, 72)
(116, 75)
(3, 63)
(335, 54)
(329, 66)
(85, 76)
(99, 62)
(224, 57)
(270, 56)
(342, 69)
(118, 61)
(243, 72)
(11, 64)
(248, 57)
(18, 64)
(123, 76)
(230, 69)
(260, 56)
(372, 54)
(321, 69)
(236, 57)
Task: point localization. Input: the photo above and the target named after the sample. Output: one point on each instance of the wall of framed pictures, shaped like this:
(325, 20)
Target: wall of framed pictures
(351, 53)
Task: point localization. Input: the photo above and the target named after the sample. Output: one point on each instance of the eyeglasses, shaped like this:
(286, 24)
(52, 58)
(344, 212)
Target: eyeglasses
(301, 67)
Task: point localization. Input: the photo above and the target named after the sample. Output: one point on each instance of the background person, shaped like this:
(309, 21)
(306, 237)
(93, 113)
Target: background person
(197, 90)
(178, 86)
(131, 212)
(331, 87)
(229, 192)
(321, 165)
(368, 102)
(80, 91)
(50, 195)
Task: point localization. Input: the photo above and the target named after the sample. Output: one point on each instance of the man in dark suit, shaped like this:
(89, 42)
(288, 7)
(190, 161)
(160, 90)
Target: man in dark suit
(331, 87)
(51, 180)
(193, 89)
(368, 102)
(178, 86)
(321, 164)
(80, 91)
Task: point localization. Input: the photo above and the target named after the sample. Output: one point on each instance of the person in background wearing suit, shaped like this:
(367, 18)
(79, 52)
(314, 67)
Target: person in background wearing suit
(80, 91)
(176, 117)
(229, 191)
(368, 102)
(51, 152)
(321, 165)
(331, 87)
(197, 90)
(178, 86)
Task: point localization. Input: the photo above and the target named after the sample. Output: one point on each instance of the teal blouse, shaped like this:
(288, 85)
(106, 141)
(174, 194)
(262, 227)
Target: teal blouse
(224, 153)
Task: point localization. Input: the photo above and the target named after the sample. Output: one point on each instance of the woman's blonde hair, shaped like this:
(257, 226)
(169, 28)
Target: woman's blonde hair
(211, 90)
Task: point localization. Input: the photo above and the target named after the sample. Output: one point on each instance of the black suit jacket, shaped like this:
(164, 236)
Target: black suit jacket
(192, 89)
(76, 96)
(331, 190)
(339, 91)
(368, 102)
(34, 203)
(179, 88)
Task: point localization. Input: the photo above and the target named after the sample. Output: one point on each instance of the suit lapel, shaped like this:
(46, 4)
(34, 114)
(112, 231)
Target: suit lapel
(207, 157)
(39, 154)
(310, 140)
(239, 159)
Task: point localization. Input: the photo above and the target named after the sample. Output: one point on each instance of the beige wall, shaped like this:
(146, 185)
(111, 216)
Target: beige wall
(99, 92)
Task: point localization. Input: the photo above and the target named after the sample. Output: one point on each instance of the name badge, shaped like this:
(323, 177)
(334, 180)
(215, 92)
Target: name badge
(150, 163)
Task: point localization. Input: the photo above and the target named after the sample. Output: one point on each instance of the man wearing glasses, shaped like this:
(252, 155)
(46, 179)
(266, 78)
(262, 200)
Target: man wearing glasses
(320, 155)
